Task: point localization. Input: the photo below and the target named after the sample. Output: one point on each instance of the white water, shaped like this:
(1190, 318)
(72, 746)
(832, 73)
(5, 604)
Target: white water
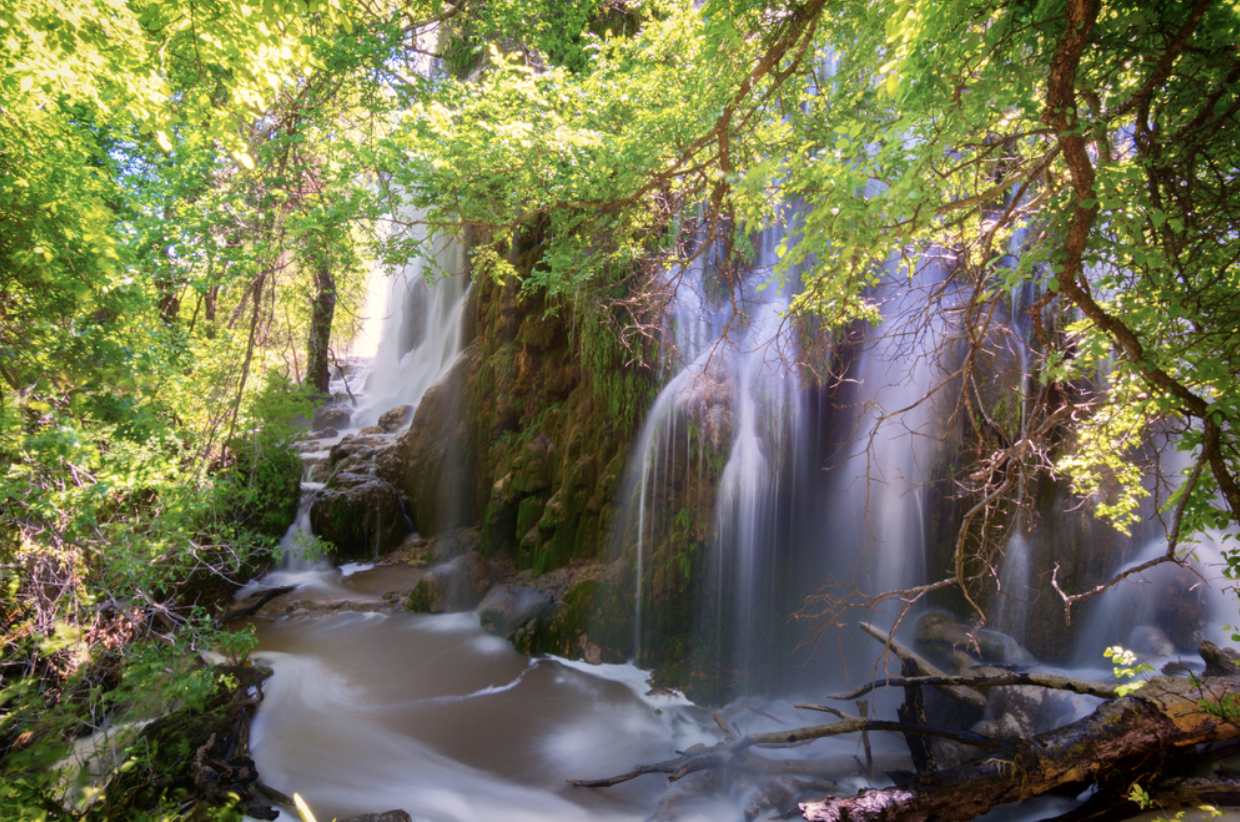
(735, 395)
(412, 333)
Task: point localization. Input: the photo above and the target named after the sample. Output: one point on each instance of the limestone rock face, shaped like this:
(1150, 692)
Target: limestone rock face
(360, 515)
(434, 463)
(454, 586)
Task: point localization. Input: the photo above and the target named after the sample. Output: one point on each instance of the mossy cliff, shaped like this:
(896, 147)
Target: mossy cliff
(553, 404)
(528, 433)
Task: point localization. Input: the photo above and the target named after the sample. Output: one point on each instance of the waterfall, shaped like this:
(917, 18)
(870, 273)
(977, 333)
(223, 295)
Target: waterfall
(412, 331)
(700, 510)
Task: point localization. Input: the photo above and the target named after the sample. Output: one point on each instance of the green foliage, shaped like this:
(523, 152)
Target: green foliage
(1126, 667)
(1141, 797)
(260, 488)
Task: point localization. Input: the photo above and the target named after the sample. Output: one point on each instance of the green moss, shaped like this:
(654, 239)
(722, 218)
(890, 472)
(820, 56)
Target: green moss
(419, 601)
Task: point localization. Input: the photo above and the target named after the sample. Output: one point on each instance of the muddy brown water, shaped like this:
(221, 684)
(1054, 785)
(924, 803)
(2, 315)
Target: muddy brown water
(369, 712)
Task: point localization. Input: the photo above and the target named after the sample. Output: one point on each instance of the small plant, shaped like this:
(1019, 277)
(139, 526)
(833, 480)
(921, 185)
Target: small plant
(1127, 667)
(1142, 797)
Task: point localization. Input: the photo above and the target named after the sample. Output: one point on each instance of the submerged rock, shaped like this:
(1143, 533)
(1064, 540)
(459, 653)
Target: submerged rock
(361, 520)
(1150, 640)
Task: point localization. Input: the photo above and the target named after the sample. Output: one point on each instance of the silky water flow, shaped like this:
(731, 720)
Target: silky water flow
(368, 712)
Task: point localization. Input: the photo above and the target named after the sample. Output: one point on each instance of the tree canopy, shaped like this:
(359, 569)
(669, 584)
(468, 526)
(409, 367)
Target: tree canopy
(186, 187)
(1074, 161)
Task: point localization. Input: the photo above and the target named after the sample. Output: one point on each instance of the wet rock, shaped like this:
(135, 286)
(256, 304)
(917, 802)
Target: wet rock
(1006, 726)
(331, 417)
(361, 517)
(396, 418)
(1150, 640)
(449, 545)
(1182, 609)
(516, 612)
(589, 622)
(328, 433)
(372, 429)
(359, 453)
(939, 636)
(317, 470)
(1184, 668)
(1023, 711)
(433, 462)
(1219, 661)
(454, 586)
(386, 816)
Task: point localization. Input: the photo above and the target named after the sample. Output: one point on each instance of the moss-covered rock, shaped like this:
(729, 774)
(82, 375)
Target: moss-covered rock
(361, 517)
(434, 463)
(592, 621)
(453, 586)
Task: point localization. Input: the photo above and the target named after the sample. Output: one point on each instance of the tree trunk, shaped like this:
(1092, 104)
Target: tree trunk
(1126, 739)
(321, 314)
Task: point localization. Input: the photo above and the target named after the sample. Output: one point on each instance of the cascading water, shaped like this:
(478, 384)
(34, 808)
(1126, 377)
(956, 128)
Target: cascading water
(412, 331)
(701, 517)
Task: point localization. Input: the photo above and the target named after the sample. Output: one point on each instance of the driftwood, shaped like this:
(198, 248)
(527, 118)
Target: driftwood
(1052, 681)
(1150, 736)
(251, 605)
(1123, 741)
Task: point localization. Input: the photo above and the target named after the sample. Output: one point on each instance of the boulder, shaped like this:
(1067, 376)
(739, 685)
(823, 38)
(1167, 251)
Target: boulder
(939, 636)
(396, 418)
(330, 417)
(516, 612)
(371, 430)
(449, 545)
(453, 586)
(433, 461)
(360, 516)
(592, 621)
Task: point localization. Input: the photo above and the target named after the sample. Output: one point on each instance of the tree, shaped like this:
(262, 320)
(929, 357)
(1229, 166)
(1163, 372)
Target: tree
(148, 159)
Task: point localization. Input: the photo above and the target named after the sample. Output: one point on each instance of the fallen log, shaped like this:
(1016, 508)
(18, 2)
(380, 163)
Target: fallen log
(251, 605)
(1140, 734)
(1053, 681)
